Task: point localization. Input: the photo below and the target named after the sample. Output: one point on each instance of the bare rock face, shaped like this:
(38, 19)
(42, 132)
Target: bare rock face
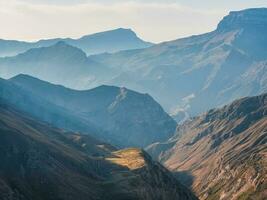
(39, 162)
(223, 151)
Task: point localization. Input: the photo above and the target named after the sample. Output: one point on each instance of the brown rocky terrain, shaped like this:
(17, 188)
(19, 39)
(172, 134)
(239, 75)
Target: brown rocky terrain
(222, 153)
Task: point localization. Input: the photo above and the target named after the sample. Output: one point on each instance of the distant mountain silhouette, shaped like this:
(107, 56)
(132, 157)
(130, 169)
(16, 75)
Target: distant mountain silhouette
(108, 41)
(60, 63)
(224, 150)
(120, 116)
(187, 76)
(202, 71)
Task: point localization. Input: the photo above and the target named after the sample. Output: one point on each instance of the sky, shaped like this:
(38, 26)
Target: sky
(152, 20)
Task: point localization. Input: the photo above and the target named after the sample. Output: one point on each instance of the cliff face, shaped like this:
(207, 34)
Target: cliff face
(223, 152)
(39, 162)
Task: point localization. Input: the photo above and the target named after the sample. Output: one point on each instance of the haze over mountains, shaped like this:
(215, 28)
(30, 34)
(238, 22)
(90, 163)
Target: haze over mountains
(55, 63)
(222, 65)
(117, 115)
(108, 41)
(67, 115)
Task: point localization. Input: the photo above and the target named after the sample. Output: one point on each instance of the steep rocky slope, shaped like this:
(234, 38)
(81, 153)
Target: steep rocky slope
(223, 152)
(39, 162)
(123, 117)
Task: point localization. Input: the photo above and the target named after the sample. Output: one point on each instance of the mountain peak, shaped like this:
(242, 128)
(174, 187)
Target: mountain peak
(23, 77)
(125, 31)
(114, 32)
(61, 44)
(255, 17)
(107, 41)
(64, 45)
(58, 50)
(30, 80)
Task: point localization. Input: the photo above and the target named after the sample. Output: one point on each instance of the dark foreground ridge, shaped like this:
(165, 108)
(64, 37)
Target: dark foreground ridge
(39, 162)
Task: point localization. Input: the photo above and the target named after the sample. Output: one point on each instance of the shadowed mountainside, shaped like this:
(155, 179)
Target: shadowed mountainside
(117, 115)
(39, 162)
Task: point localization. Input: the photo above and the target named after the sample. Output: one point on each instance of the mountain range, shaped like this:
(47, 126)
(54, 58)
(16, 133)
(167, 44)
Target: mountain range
(86, 118)
(108, 41)
(39, 162)
(117, 115)
(222, 65)
(231, 165)
(54, 64)
(222, 153)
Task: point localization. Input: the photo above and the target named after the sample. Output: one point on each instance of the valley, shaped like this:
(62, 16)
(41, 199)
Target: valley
(110, 116)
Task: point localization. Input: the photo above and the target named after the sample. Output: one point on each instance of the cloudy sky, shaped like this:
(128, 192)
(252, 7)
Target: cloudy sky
(153, 20)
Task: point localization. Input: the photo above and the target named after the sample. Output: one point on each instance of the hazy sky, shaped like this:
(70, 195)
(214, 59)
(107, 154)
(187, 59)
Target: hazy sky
(153, 20)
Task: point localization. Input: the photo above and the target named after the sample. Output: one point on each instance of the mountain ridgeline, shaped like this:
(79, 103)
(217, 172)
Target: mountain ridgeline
(73, 126)
(55, 63)
(117, 115)
(39, 162)
(225, 64)
(232, 163)
(108, 41)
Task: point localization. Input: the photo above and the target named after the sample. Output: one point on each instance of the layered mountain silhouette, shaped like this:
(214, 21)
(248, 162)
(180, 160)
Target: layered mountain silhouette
(60, 63)
(108, 41)
(117, 115)
(39, 162)
(43, 110)
(222, 153)
(220, 66)
(63, 126)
